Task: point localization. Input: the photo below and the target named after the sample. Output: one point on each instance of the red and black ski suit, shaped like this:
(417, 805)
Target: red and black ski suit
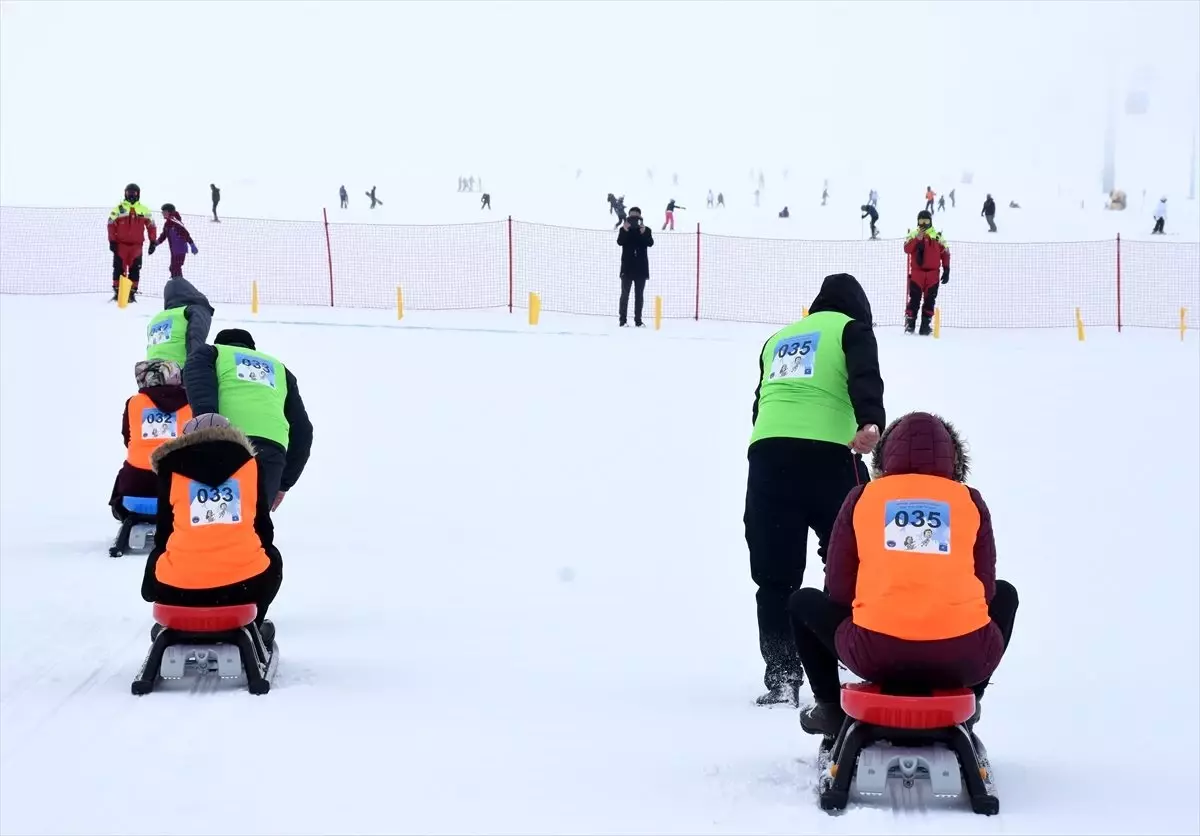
(926, 254)
(129, 225)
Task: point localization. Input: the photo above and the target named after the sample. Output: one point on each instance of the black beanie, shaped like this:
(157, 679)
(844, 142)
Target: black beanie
(234, 336)
(924, 215)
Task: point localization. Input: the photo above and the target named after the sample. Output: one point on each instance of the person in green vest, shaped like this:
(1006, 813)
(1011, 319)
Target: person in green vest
(260, 397)
(818, 407)
(181, 326)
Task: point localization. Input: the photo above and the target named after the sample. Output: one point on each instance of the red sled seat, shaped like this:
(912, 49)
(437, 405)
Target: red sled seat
(867, 703)
(205, 619)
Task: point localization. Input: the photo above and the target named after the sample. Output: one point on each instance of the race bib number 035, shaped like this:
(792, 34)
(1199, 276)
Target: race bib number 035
(158, 424)
(159, 333)
(221, 505)
(255, 369)
(921, 526)
(795, 356)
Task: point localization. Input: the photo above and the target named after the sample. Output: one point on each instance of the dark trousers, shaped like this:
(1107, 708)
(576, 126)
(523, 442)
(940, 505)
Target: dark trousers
(271, 460)
(873, 231)
(793, 485)
(259, 590)
(1158, 225)
(215, 202)
(639, 298)
(135, 269)
(915, 292)
(929, 206)
(176, 267)
(815, 620)
(991, 219)
(345, 203)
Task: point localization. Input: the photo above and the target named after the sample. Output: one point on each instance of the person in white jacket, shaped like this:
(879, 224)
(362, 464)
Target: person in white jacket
(1160, 216)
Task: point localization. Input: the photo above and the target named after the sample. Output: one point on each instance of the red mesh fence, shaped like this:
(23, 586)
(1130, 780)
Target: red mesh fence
(497, 264)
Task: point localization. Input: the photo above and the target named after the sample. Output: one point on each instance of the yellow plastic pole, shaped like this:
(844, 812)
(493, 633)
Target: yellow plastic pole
(254, 297)
(657, 312)
(804, 311)
(535, 308)
(124, 288)
(1079, 324)
(1182, 323)
(937, 323)
(399, 303)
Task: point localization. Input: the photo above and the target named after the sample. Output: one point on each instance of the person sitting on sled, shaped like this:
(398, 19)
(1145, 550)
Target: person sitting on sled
(913, 603)
(214, 544)
(151, 418)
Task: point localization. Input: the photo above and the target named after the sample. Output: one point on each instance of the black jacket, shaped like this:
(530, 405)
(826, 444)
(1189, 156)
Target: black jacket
(989, 207)
(635, 262)
(873, 213)
(841, 292)
(200, 380)
(210, 457)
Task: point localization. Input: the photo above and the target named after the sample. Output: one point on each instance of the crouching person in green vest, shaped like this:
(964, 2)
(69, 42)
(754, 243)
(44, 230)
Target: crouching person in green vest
(819, 402)
(183, 324)
(260, 397)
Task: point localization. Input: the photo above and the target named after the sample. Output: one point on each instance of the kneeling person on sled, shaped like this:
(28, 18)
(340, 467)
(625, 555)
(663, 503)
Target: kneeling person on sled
(214, 545)
(913, 603)
(181, 326)
(927, 251)
(151, 418)
(260, 396)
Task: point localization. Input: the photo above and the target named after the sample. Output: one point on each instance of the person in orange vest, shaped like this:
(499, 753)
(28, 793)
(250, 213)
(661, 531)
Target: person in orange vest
(913, 603)
(214, 544)
(152, 417)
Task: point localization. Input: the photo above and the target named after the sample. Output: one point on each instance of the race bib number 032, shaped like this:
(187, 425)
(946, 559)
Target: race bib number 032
(921, 526)
(221, 505)
(159, 424)
(255, 369)
(158, 333)
(795, 356)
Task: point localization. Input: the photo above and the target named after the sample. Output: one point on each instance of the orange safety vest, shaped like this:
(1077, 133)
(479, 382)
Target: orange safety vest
(916, 559)
(150, 428)
(213, 542)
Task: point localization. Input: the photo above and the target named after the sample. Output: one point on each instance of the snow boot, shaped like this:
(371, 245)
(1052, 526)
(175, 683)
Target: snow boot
(267, 631)
(785, 692)
(926, 329)
(823, 718)
(133, 295)
(910, 324)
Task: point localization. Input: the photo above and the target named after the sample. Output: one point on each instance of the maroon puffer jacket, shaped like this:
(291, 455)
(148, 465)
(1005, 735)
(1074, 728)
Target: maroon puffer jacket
(925, 444)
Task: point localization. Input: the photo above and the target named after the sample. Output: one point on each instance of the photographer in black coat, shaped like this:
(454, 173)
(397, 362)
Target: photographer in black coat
(634, 239)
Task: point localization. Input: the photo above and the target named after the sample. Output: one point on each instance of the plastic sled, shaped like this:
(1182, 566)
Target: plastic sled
(898, 742)
(200, 641)
(137, 529)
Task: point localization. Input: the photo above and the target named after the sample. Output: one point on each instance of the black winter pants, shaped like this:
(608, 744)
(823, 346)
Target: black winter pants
(639, 298)
(135, 270)
(914, 300)
(991, 219)
(1159, 223)
(259, 590)
(272, 459)
(815, 620)
(793, 485)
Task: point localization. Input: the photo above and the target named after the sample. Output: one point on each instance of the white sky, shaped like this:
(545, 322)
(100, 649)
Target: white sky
(92, 93)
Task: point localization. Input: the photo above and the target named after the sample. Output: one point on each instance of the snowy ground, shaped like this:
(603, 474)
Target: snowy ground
(517, 598)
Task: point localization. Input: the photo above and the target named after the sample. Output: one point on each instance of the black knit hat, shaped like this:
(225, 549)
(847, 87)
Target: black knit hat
(234, 336)
(925, 215)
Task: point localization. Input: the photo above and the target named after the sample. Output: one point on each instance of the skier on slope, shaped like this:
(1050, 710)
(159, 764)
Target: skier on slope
(1160, 217)
(374, 200)
(869, 211)
(670, 216)
(129, 224)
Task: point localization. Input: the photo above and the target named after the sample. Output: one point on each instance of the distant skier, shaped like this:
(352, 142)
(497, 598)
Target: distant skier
(873, 198)
(709, 202)
(616, 205)
(128, 227)
(216, 198)
(674, 179)
(824, 196)
(784, 213)
(1160, 217)
(929, 196)
(344, 197)
(471, 183)
(1012, 204)
(869, 211)
(989, 212)
(177, 237)
(953, 203)
(942, 203)
(670, 218)
(485, 202)
(762, 183)
(756, 193)
(374, 200)
(462, 183)
(721, 200)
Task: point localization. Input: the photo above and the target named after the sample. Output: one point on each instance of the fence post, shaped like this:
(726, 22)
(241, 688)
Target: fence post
(328, 254)
(510, 266)
(697, 272)
(1118, 282)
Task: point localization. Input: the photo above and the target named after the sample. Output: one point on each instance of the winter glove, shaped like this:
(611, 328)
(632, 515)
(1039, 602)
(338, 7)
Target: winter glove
(152, 247)
(193, 246)
(112, 246)
(945, 275)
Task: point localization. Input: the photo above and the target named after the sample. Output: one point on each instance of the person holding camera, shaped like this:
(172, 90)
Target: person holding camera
(634, 239)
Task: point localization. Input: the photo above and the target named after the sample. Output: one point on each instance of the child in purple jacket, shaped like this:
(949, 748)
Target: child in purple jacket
(180, 239)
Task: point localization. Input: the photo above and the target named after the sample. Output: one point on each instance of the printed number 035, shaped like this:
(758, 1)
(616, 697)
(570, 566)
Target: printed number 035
(215, 495)
(919, 519)
(795, 347)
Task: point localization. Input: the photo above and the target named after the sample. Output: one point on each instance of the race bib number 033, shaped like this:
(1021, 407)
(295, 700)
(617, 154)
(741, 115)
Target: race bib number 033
(158, 424)
(795, 356)
(158, 333)
(255, 369)
(921, 526)
(221, 505)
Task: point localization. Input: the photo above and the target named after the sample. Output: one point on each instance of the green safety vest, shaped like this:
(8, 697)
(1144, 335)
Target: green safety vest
(166, 336)
(251, 391)
(127, 208)
(804, 390)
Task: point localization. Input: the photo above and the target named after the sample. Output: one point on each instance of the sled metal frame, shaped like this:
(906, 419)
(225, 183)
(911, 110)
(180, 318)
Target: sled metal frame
(121, 545)
(257, 662)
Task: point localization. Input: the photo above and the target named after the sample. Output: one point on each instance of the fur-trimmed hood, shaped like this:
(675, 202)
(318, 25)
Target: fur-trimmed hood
(920, 442)
(209, 456)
